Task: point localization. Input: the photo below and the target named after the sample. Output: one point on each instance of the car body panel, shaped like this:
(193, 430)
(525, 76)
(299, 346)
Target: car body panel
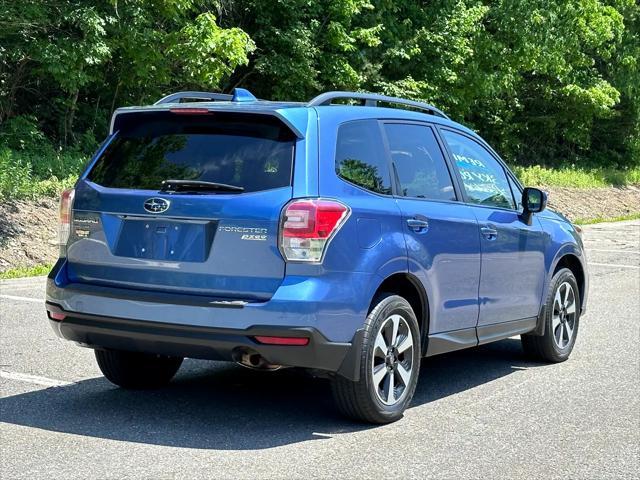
(106, 219)
(445, 256)
(513, 266)
(563, 240)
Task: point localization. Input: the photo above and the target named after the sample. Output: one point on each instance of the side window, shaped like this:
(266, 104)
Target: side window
(517, 193)
(360, 156)
(419, 163)
(484, 179)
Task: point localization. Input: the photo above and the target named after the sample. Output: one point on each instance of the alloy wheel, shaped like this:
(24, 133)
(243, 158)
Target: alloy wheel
(392, 362)
(563, 319)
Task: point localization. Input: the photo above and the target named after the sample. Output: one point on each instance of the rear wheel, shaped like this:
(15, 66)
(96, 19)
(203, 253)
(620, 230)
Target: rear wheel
(389, 365)
(136, 370)
(562, 317)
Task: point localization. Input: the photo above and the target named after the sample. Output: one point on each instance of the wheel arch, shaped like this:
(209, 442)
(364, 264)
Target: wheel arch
(566, 258)
(572, 262)
(410, 288)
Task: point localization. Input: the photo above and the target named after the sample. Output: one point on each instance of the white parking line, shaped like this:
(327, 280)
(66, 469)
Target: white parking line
(615, 265)
(23, 299)
(611, 251)
(36, 380)
(30, 281)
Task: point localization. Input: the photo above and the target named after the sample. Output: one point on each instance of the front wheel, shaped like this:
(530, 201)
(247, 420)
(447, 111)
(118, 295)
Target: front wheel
(562, 318)
(136, 370)
(389, 364)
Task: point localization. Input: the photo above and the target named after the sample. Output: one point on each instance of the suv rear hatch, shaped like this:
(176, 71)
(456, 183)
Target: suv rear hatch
(186, 201)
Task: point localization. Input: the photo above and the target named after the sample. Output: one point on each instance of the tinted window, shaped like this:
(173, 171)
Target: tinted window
(484, 179)
(360, 156)
(419, 162)
(253, 152)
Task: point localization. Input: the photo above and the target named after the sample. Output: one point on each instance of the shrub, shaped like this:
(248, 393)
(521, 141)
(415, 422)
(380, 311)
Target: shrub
(577, 177)
(29, 175)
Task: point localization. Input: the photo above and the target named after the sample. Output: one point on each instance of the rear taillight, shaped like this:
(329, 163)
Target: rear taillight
(307, 226)
(66, 204)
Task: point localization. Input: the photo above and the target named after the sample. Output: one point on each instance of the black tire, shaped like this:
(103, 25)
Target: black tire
(361, 400)
(134, 370)
(546, 348)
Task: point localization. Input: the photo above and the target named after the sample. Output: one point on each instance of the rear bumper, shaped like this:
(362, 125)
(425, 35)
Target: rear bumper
(96, 331)
(333, 303)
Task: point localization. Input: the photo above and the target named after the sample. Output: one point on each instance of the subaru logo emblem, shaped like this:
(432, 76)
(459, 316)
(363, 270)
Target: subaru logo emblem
(156, 205)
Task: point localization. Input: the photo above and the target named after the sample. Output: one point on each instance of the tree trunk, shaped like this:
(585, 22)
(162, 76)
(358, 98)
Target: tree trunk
(68, 130)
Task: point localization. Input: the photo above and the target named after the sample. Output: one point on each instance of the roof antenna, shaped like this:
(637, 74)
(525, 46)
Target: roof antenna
(242, 95)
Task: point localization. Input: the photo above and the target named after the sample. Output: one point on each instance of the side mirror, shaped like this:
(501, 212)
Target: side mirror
(534, 200)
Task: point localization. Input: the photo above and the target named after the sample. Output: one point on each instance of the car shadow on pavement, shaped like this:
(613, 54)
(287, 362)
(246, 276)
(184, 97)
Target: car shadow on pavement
(214, 405)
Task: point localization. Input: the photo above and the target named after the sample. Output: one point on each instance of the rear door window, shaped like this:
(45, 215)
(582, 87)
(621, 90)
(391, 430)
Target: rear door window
(484, 180)
(254, 152)
(419, 163)
(360, 156)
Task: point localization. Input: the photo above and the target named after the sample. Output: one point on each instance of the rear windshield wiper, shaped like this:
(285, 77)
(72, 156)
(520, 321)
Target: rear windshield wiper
(189, 186)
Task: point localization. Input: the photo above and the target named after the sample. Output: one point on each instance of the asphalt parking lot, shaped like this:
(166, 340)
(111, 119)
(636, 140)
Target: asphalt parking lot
(485, 412)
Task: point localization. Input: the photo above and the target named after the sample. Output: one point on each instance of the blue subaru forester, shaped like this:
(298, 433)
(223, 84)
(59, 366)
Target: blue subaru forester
(351, 235)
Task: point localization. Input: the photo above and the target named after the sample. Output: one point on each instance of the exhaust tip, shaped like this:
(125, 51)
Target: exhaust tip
(249, 358)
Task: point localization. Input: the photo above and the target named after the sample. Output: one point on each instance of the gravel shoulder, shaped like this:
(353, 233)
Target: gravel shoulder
(28, 229)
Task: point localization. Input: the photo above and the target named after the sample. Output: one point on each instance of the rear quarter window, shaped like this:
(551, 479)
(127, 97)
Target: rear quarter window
(250, 151)
(360, 157)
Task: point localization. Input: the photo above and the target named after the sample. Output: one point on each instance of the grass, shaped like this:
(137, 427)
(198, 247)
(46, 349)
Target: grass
(590, 221)
(537, 176)
(31, 175)
(26, 271)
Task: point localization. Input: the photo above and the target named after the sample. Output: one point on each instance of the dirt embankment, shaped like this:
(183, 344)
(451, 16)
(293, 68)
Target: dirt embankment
(28, 233)
(594, 203)
(28, 229)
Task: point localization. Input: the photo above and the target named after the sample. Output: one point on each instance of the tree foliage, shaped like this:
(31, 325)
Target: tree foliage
(547, 82)
(64, 60)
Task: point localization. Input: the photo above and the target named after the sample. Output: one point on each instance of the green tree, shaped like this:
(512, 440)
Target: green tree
(546, 82)
(68, 59)
(303, 47)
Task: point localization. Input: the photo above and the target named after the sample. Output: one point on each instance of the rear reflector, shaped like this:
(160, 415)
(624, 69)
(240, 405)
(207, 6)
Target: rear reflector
(57, 316)
(300, 341)
(66, 206)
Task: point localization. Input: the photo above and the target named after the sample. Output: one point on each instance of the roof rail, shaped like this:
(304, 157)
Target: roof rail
(372, 99)
(238, 95)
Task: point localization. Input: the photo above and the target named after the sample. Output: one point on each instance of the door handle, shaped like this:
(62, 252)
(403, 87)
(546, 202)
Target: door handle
(418, 224)
(489, 232)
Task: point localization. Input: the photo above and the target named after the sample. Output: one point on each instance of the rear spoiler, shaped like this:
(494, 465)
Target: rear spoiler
(117, 115)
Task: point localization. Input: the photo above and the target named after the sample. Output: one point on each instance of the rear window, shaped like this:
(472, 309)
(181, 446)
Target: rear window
(420, 165)
(250, 151)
